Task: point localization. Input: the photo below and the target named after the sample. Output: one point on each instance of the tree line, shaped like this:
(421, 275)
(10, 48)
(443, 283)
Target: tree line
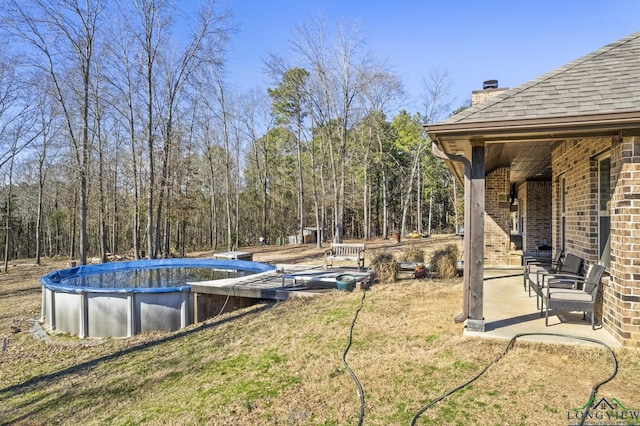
(121, 133)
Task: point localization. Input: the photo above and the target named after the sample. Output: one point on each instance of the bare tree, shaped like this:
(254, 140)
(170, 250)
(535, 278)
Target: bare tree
(63, 32)
(436, 98)
(418, 149)
(215, 143)
(379, 96)
(437, 101)
(226, 139)
(100, 145)
(176, 75)
(17, 134)
(153, 21)
(48, 129)
(255, 117)
(8, 209)
(14, 106)
(124, 76)
(340, 73)
(205, 45)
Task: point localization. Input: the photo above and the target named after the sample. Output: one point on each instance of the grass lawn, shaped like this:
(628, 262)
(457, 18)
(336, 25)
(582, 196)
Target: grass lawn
(281, 363)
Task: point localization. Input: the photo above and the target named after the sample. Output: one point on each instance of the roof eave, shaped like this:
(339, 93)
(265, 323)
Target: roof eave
(551, 127)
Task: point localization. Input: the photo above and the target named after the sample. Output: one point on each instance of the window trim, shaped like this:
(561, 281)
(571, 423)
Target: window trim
(562, 184)
(604, 250)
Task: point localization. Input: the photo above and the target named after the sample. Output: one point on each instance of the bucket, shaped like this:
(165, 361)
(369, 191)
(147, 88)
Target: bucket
(346, 282)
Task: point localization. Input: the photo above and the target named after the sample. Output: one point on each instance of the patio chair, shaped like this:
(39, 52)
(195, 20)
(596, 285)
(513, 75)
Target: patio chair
(571, 266)
(580, 297)
(534, 263)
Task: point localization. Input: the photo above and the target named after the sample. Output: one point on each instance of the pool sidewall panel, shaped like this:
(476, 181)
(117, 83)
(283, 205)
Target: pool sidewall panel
(107, 314)
(155, 311)
(67, 313)
(47, 307)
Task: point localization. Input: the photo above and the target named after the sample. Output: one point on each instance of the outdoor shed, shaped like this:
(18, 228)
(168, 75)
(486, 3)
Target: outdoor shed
(555, 164)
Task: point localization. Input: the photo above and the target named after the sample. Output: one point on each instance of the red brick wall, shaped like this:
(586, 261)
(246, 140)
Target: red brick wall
(497, 236)
(577, 160)
(621, 298)
(534, 198)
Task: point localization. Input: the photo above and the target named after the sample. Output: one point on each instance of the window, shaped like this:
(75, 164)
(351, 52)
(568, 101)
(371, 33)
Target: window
(563, 209)
(604, 217)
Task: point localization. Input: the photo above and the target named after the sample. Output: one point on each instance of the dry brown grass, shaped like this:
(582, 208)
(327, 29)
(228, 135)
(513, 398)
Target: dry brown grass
(443, 262)
(385, 266)
(412, 253)
(281, 364)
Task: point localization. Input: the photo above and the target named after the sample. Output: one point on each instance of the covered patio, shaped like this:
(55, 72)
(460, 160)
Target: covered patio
(509, 311)
(552, 165)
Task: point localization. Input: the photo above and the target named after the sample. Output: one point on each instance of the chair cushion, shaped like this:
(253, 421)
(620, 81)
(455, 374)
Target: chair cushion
(569, 294)
(557, 285)
(545, 268)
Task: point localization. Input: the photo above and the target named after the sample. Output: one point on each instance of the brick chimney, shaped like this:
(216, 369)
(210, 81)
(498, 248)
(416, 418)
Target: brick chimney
(489, 90)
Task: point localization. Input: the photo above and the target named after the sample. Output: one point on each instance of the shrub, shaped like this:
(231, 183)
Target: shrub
(443, 262)
(385, 266)
(412, 254)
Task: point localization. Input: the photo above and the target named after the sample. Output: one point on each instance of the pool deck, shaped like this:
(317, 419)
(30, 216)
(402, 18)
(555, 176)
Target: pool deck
(285, 282)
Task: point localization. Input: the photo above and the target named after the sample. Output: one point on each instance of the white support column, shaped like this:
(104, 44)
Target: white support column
(184, 309)
(131, 314)
(83, 316)
(52, 309)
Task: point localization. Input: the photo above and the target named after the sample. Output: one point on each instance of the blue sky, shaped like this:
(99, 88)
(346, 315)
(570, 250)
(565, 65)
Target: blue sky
(511, 41)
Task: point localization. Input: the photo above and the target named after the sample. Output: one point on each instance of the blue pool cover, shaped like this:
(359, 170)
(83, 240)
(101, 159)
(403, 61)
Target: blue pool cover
(144, 276)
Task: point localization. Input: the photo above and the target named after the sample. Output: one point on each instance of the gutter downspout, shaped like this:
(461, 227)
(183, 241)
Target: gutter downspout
(466, 245)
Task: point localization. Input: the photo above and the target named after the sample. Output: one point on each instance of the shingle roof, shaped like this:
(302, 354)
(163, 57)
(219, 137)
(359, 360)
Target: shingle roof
(604, 81)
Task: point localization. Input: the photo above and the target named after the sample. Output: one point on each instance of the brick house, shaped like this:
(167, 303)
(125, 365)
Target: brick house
(554, 164)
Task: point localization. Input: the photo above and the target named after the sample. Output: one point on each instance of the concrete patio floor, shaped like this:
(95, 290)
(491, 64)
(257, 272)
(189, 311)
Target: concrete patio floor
(508, 310)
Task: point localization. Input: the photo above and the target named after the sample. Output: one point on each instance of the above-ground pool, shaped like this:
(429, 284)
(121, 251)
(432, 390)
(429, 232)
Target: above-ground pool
(120, 299)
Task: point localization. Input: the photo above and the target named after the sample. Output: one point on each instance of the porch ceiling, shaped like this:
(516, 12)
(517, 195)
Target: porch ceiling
(526, 145)
(526, 159)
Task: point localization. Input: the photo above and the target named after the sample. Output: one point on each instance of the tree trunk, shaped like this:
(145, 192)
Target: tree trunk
(314, 186)
(407, 196)
(72, 227)
(40, 203)
(419, 199)
(385, 191)
(161, 195)
(430, 212)
(150, 163)
(116, 222)
(38, 235)
(7, 228)
(213, 220)
(101, 196)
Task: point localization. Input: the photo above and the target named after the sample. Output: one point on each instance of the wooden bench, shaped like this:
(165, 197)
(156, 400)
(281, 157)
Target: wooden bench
(339, 251)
